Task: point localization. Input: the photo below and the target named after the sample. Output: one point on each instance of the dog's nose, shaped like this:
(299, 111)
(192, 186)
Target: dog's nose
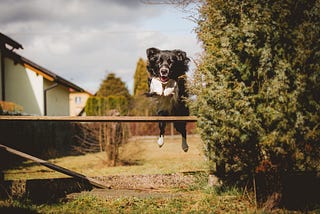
(164, 71)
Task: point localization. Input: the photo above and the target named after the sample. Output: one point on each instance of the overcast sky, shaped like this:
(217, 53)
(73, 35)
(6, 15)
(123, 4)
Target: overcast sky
(84, 40)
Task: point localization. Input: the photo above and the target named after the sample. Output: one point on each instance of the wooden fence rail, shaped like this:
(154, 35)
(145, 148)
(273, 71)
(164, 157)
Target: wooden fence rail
(100, 118)
(57, 168)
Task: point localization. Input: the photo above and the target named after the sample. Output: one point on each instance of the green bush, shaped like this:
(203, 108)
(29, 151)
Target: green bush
(100, 106)
(257, 86)
(112, 95)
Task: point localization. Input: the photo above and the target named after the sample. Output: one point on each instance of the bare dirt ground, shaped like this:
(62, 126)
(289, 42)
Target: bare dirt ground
(142, 186)
(177, 180)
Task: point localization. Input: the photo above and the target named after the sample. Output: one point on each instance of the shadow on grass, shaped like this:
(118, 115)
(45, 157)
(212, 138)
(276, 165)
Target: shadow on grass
(17, 210)
(41, 191)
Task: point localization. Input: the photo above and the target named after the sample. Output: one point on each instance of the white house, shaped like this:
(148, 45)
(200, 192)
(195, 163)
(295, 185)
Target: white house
(38, 90)
(78, 102)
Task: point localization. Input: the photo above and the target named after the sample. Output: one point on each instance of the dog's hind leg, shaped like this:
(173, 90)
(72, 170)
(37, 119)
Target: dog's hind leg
(181, 127)
(162, 127)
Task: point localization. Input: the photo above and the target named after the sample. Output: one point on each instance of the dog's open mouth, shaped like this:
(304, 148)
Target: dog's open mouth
(164, 78)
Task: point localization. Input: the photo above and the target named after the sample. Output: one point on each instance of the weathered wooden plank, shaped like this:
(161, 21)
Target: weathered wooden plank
(100, 118)
(57, 168)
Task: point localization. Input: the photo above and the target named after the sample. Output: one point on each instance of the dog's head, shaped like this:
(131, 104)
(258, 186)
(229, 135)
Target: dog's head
(167, 64)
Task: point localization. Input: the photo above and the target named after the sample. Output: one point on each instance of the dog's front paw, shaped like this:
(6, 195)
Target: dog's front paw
(184, 145)
(160, 141)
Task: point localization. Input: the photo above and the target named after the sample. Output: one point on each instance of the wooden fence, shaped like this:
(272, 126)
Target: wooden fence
(82, 119)
(101, 118)
(54, 136)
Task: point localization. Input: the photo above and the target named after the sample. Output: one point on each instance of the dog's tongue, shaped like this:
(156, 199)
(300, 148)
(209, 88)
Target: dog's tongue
(164, 79)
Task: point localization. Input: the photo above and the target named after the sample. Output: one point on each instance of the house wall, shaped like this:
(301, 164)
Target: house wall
(24, 87)
(57, 99)
(77, 102)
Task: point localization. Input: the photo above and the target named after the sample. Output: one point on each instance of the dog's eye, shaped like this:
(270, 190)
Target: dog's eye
(155, 59)
(169, 61)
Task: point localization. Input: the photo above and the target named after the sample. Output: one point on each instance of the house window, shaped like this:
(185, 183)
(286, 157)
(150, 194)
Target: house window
(77, 100)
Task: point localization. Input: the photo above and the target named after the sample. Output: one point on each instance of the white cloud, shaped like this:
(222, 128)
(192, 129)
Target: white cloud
(83, 40)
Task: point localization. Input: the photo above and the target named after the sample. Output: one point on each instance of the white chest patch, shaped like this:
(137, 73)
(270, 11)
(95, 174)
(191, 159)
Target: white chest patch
(168, 93)
(163, 89)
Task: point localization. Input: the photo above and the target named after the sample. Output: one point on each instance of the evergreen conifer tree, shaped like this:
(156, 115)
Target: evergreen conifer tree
(142, 105)
(112, 95)
(113, 85)
(258, 85)
(140, 78)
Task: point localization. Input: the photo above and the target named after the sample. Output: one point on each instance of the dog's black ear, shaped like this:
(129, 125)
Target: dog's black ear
(151, 52)
(182, 56)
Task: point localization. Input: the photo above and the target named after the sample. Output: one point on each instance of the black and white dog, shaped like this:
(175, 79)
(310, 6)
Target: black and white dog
(167, 82)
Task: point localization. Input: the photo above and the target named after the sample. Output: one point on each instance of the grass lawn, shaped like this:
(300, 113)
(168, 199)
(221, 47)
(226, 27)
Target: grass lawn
(208, 201)
(141, 156)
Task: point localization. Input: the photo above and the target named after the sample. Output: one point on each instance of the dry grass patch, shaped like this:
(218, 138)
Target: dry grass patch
(140, 155)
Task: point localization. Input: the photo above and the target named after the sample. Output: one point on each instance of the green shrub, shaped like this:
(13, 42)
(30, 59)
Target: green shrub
(257, 86)
(100, 106)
